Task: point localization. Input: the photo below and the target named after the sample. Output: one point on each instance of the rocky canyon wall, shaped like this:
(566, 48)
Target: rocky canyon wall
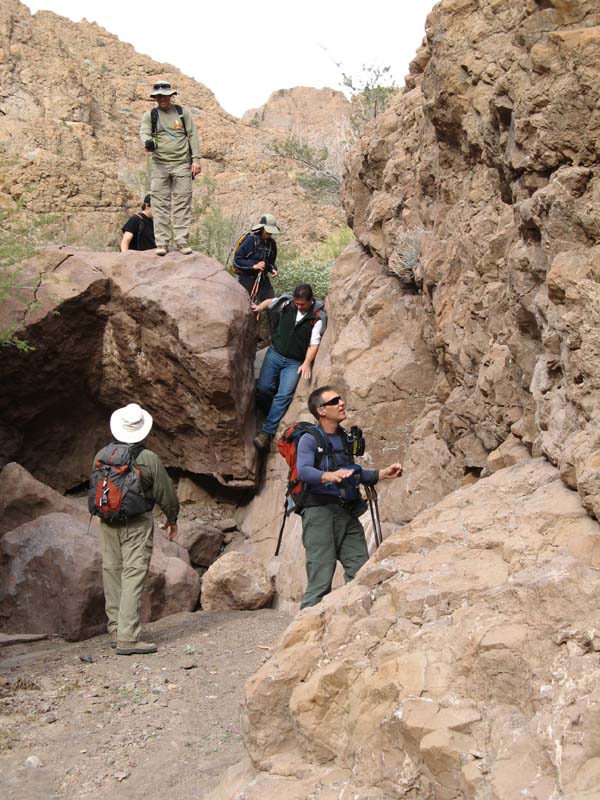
(461, 662)
(474, 323)
(71, 99)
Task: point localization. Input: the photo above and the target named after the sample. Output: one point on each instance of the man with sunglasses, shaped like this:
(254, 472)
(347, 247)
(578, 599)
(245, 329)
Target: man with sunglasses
(168, 133)
(331, 530)
(294, 345)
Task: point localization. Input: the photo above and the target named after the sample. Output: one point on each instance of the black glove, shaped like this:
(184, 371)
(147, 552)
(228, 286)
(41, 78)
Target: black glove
(150, 145)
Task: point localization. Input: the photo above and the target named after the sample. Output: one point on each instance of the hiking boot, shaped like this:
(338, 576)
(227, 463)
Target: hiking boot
(135, 648)
(161, 251)
(113, 643)
(185, 250)
(262, 440)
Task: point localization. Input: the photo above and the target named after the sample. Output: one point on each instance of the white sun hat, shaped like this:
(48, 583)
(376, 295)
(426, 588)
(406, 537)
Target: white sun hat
(130, 424)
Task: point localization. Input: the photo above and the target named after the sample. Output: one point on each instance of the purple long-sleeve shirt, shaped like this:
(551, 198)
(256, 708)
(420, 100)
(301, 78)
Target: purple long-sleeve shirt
(311, 475)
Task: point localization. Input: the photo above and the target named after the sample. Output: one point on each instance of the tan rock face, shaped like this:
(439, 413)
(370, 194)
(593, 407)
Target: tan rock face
(455, 664)
(71, 101)
(175, 335)
(475, 190)
(312, 114)
(236, 581)
(461, 661)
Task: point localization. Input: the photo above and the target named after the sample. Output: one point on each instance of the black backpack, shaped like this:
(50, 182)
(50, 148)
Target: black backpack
(116, 493)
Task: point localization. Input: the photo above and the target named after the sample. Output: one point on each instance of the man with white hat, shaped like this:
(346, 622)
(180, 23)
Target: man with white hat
(168, 132)
(255, 259)
(126, 540)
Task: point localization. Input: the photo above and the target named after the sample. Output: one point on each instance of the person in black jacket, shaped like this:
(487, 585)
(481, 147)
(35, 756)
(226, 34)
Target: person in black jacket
(256, 256)
(294, 345)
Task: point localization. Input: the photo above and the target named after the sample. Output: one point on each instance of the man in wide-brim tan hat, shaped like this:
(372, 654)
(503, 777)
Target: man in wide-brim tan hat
(168, 132)
(126, 543)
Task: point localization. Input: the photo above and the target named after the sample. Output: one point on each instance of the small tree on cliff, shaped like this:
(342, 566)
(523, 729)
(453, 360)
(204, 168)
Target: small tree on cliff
(15, 246)
(370, 92)
(321, 166)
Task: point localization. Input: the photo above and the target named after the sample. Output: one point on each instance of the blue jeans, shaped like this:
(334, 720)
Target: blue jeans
(276, 384)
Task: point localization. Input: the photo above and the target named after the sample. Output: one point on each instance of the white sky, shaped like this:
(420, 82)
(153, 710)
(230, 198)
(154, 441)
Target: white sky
(243, 51)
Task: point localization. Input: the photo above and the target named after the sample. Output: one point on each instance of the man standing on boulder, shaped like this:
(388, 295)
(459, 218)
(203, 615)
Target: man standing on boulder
(295, 343)
(169, 133)
(331, 530)
(126, 482)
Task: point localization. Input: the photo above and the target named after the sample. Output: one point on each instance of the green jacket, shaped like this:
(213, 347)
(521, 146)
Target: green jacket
(171, 142)
(156, 483)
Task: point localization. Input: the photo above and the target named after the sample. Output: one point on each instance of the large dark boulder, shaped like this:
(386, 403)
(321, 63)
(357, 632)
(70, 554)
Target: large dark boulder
(174, 334)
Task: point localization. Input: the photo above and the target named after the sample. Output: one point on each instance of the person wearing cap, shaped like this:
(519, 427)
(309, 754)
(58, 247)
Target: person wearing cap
(256, 256)
(127, 546)
(168, 132)
(138, 231)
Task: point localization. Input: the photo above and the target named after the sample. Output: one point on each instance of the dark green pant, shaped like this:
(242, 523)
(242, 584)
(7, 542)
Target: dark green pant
(330, 534)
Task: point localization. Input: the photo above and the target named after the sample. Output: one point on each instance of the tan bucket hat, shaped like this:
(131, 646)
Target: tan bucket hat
(162, 87)
(130, 424)
(269, 223)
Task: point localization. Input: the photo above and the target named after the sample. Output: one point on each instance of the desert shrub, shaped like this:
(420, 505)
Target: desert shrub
(405, 260)
(303, 270)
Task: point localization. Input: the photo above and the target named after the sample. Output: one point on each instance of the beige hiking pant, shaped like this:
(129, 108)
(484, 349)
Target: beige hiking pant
(126, 552)
(171, 192)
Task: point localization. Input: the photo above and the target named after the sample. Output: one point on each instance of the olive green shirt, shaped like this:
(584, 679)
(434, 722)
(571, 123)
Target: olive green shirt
(172, 144)
(156, 483)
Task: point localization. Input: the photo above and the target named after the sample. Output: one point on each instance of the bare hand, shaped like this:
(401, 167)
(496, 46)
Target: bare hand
(305, 371)
(274, 273)
(255, 308)
(196, 168)
(171, 529)
(338, 476)
(393, 471)
(260, 266)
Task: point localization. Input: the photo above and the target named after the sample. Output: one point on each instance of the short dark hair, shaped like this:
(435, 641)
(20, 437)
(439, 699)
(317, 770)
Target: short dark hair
(147, 201)
(303, 292)
(315, 399)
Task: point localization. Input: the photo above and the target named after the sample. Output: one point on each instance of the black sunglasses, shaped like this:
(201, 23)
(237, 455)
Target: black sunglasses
(162, 85)
(333, 402)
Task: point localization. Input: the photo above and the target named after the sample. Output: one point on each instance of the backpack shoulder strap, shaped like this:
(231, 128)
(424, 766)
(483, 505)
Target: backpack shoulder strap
(154, 120)
(323, 444)
(179, 110)
(135, 450)
(346, 443)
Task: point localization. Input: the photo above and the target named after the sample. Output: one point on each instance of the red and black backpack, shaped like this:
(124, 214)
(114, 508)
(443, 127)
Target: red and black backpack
(116, 493)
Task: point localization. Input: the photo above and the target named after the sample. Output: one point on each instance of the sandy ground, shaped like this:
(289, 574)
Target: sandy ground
(78, 721)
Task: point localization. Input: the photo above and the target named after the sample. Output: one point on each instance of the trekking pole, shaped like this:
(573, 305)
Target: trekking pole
(284, 520)
(371, 493)
(255, 288)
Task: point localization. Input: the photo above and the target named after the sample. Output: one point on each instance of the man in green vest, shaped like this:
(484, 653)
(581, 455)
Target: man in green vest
(295, 342)
(168, 132)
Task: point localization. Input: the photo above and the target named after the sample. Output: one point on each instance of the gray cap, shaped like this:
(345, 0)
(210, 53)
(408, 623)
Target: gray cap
(162, 88)
(269, 223)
